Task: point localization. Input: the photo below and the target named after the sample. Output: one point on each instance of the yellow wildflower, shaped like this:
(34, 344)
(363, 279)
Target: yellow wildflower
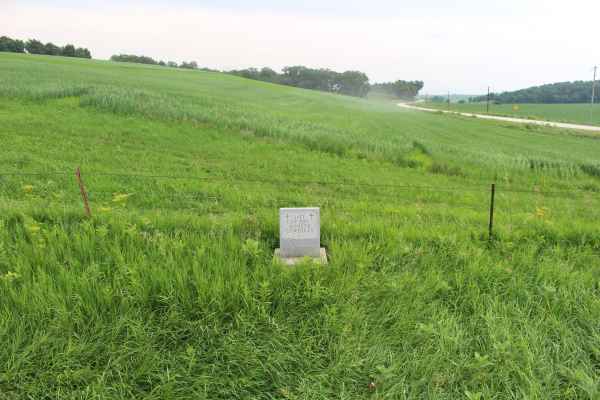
(10, 276)
(120, 197)
(541, 212)
(33, 228)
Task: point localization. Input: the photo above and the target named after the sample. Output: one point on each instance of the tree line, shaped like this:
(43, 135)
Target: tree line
(352, 83)
(34, 46)
(562, 92)
(404, 90)
(150, 61)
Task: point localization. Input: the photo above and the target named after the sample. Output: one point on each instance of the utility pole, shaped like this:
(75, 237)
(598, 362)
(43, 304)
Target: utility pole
(487, 107)
(448, 100)
(593, 96)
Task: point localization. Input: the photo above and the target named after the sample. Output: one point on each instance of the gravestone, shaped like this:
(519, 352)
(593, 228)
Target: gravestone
(300, 235)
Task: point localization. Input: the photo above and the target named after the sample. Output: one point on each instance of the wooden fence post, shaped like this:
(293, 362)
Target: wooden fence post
(84, 195)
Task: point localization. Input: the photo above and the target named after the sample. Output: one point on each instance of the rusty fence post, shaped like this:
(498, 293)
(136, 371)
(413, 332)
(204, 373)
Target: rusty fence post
(84, 195)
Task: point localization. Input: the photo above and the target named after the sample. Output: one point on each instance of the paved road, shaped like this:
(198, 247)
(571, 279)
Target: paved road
(509, 119)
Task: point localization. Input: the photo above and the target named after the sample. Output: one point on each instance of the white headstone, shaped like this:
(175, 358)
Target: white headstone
(300, 232)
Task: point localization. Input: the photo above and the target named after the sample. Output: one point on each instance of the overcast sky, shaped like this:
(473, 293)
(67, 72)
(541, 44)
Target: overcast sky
(460, 46)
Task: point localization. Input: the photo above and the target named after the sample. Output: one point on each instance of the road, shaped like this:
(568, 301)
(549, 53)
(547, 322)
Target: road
(509, 119)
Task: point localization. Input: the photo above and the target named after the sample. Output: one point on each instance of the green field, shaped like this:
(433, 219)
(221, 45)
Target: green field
(575, 113)
(170, 291)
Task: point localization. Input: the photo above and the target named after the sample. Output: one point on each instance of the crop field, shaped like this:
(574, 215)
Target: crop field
(170, 291)
(574, 113)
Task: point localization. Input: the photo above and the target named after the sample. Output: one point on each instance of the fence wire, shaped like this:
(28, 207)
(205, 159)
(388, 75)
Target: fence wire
(514, 205)
(236, 179)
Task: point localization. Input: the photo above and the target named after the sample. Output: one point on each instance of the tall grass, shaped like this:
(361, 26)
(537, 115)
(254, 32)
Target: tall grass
(321, 122)
(170, 289)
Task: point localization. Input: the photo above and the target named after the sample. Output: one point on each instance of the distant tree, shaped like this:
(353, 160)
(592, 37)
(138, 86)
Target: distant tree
(562, 92)
(352, 83)
(268, 75)
(405, 90)
(68, 51)
(81, 52)
(308, 78)
(52, 50)
(189, 65)
(316, 79)
(134, 59)
(171, 64)
(34, 46)
(438, 99)
(249, 73)
(11, 45)
(18, 46)
(162, 63)
(6, 43)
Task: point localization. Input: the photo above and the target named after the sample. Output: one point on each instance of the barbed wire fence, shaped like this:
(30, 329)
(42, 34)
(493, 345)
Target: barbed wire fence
(497, 194)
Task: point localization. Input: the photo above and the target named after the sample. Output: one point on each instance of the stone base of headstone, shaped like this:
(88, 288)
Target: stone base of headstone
(322, 259)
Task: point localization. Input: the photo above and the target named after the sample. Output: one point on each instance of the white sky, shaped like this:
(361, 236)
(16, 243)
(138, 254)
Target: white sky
(461, 46)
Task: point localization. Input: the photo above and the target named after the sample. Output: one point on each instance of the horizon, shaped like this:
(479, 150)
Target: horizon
(461, 48)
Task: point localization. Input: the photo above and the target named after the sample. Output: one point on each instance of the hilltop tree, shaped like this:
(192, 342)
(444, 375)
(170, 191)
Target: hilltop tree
(134, 59)
(352, 83)
(34, 46)
(309, 78)
(18, 46)
(52, 50)
(268, 75)
(189, 65)
(81, 52)
(249, 73)
(6, 43)
(405, 90)
(11, 45)
(68, 51)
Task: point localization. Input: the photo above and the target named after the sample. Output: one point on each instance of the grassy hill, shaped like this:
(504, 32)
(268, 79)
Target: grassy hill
(575, 113)
(552, 93)
(170, 290)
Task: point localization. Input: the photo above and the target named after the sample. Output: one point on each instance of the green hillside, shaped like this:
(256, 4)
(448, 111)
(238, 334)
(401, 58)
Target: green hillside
(578, 92)
(574, 113)
(169, 290)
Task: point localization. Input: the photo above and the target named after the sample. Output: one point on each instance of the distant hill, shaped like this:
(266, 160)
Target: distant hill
(562, 92)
